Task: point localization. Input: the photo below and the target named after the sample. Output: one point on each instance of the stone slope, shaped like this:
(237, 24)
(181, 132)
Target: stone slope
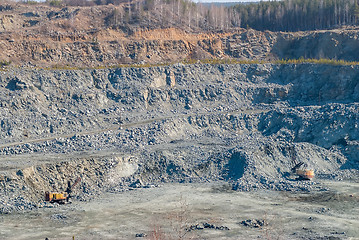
(138, 127)
(45, 103)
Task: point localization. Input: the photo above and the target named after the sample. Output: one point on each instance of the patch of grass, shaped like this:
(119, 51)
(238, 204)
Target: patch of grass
(55, 3)
(208, 61)
(4, 63)
(323, 61)
(63, 67)
(230, 61)
(30, 2)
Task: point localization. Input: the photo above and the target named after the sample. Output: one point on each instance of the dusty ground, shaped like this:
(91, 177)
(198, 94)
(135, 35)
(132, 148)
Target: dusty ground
(172, 208)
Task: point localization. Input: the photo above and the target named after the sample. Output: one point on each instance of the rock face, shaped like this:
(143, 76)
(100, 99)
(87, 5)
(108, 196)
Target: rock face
(137, 127)
(111, 49)
(45, 36)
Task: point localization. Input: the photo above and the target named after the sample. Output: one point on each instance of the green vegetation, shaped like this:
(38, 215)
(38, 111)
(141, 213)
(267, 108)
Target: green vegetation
(30, 2)
(294, 15)
(216, 62)
(4, 63)
(230, 61)
(318, 61)
(285, 15)
(55, 3)
(283, 61)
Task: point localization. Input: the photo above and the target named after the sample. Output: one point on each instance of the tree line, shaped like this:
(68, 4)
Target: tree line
(285, 15)
(294, 15)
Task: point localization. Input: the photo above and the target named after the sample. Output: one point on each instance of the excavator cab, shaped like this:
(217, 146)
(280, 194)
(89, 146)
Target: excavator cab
(305, 174)
(300, 169)
(61, 197)
(56, 197)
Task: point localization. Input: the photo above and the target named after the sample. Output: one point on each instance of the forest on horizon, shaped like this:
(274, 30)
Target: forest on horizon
(285, 15)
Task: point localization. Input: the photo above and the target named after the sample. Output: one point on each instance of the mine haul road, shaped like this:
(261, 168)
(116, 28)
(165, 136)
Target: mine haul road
(14, 162)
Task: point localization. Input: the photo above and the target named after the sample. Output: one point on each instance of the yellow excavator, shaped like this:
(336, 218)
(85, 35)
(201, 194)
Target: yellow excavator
(61, 197)
(300, 169)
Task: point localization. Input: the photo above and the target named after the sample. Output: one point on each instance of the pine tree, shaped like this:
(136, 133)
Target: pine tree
(356, 13)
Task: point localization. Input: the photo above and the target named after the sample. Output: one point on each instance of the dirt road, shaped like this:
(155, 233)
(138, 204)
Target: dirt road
(14, 162)
(129, 125)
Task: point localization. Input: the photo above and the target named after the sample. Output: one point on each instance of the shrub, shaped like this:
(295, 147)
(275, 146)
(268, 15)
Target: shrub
(316, 61)
(4, 63)
(55, 3)
(30, 2)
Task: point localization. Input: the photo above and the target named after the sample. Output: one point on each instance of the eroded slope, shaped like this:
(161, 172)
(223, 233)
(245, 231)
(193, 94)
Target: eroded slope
(44, 36)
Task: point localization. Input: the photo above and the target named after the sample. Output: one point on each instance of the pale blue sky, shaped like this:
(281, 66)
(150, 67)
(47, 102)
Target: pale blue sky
(206, 0)
(231, 0)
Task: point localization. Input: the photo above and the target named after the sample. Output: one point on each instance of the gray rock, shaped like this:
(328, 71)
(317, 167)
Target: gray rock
(121, 129)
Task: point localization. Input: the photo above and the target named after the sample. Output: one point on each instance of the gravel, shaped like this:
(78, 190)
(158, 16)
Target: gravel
(128, 128)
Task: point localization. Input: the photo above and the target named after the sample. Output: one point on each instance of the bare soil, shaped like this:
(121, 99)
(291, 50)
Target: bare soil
(168, 211)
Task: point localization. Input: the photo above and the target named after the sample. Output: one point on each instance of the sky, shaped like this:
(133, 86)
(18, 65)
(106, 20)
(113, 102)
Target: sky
(208, 0)
(229, 0)
(232, 0)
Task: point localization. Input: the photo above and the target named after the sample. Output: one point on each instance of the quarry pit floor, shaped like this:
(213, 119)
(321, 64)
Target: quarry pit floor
(170, 210)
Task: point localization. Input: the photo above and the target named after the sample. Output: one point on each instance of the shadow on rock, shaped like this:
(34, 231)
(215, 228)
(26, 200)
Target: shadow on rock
(236, 166)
